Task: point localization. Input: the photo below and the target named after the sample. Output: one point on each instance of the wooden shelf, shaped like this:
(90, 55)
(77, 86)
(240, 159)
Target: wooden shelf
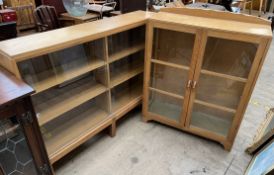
(166, 93)
(125, 75)
(121, 101)
(230, 77)
(170, 64)
(126, 52)
(211, 105)
(165, 105)
(56, 102)
(63, 76)
(64, 135)
(216, 125)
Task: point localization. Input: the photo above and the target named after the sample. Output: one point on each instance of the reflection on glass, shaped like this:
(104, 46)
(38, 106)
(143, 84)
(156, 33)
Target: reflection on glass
(229, 57)
(69, 59)
(36, 70)
(211, 119)
(165, 106)
(172, 46)
(219, 91)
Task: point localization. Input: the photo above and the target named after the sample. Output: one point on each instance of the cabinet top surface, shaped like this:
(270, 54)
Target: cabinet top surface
(11, 88)
(226, 25)
(34, 45)
(42, 43)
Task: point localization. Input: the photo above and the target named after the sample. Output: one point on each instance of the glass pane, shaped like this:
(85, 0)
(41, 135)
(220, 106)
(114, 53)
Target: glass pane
(211, 119)
(50, 70)
(126, 42)
(219, 91)
(172, 46)
(124, 93)
(71, 62)
(73, 125)
(15, 156)
(38, 71)
(56, 101)
(166, 78)
(124, 69)
(229, 57)
(165, 106)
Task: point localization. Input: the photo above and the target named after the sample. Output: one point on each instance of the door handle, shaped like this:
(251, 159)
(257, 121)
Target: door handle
(189, 83)
(194, 84)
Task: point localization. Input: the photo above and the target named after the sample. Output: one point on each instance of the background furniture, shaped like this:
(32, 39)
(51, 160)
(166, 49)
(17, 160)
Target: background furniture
(84, 79)
(24, 10)
(264, 134)
(132, 5)
(46, 18)
(103, 9)
(8, 30)
(22, 149)
(271, 9)
(263, 161)
(82, 19)
(58, 4)
(217, 66)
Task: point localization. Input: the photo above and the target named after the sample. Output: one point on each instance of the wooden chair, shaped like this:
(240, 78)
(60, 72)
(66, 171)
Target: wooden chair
(250, 2)
(46, 18)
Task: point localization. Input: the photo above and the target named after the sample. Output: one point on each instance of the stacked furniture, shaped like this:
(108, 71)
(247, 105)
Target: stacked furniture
(88, 76)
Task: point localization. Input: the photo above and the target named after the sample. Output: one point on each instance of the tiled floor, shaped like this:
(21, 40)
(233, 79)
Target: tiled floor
(153, 149)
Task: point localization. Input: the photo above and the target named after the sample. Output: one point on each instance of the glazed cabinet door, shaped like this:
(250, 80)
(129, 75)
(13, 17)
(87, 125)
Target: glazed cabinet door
(221, 84)
(167, 73)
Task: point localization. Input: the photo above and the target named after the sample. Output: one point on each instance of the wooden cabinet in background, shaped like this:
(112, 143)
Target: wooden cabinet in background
(200, 72)
(24, 10)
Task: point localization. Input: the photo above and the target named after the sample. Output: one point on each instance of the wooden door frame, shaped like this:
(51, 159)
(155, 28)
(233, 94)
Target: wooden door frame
(151, 25)
(262, 42)
(33, 136)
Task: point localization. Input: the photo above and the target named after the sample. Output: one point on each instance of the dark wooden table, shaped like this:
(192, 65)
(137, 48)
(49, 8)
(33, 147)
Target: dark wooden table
(20, 137)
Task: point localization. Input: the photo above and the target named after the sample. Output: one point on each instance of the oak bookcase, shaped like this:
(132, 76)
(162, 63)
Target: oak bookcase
(88, 76)
(200, 72)
(83, 88)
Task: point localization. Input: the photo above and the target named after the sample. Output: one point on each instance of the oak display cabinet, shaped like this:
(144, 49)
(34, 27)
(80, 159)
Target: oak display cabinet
(83, 88)
(199, 79)
(199, 73)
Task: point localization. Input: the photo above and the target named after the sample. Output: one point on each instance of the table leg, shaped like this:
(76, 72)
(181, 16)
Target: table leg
(271, 9)
(260, 8)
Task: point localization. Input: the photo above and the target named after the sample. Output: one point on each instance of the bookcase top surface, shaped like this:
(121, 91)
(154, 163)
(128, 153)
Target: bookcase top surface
(26, 47)
(247, 25)
(42, 43)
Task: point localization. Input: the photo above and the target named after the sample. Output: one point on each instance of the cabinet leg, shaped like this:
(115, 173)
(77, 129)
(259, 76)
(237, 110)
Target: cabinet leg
(112, 128)
(227, 146)
(145, 119)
